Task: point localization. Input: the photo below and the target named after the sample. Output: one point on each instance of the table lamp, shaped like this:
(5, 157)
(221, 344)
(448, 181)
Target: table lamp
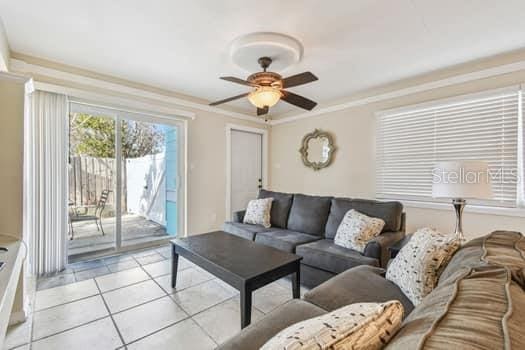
(460, 180)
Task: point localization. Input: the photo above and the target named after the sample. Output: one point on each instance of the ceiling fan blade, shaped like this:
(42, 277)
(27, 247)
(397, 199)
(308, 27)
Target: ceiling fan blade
(239, 81)
(297, 100)
(229, 99)
(299, 79)
(262, 111)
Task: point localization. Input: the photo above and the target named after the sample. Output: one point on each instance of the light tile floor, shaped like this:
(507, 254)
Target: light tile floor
(126, 302)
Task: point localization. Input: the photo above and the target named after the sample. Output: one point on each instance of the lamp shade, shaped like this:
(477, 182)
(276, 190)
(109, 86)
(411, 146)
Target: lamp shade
(264, 96)
(461, 179)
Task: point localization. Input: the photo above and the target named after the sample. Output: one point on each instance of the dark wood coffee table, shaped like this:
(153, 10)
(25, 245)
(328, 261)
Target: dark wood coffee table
(241, 263)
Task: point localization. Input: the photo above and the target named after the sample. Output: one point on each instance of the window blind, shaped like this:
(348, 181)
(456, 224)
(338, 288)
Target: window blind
(410, 142)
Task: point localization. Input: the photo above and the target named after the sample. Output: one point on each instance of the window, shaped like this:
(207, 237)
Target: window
(475, 127)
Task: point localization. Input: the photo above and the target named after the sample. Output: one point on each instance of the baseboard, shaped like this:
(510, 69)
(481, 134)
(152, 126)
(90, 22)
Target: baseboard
(18, 317)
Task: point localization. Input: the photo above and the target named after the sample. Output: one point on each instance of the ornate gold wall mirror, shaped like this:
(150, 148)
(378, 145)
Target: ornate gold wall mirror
(317, 149)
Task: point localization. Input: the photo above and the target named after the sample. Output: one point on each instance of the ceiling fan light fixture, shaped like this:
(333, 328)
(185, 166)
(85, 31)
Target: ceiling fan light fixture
(264, 96)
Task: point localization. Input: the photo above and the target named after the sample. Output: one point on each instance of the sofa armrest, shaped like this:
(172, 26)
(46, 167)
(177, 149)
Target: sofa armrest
(395, 248)
(360, 284)
(238, 216)
(378, 247)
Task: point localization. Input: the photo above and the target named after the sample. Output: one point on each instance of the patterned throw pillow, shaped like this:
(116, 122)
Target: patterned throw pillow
(357, 326)
(417, 266)
(258, 212)
(356, 230)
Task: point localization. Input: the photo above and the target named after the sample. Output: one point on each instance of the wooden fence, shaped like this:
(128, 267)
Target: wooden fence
(88, 177)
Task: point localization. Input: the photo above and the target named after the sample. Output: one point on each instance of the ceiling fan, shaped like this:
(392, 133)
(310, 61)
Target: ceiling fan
(268, 88)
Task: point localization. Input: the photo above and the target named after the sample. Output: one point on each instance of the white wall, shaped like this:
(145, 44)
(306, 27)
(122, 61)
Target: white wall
(352, 173)
(11, 168)
(11, 155)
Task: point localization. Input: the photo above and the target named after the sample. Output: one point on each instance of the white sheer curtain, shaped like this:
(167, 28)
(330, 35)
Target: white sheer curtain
(45, 214)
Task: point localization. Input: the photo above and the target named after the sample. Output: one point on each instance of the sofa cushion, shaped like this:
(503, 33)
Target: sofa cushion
(285, 240)
(309, 214)
(280, 206)
(481, 309)
(247, 231)
(258, 212)
(357, 229)
(362, 284)
(417, 266)
(389, 212)
(255, 335)
(355, 326)
(325, 254)
(501, 248)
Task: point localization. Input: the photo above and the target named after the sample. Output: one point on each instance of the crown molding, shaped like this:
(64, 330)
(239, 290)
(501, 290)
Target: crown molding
(14, 77)
(112, 102)
(454, 80)
(26, 68)
(19, 70)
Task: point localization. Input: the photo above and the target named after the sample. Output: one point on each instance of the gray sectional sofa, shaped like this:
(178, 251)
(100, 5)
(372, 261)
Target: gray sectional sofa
(306, 225)
(479, 302)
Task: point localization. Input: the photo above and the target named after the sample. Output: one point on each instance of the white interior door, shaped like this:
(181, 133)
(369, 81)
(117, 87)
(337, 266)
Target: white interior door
(246, 168)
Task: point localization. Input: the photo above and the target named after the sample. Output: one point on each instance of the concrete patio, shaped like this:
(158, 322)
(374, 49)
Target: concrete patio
(135, 229)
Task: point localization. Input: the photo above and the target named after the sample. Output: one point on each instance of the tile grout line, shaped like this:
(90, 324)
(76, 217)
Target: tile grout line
(206, 309)
(104, 301)
(189, 317)
(69, 329)
(158, 330)
(110, 315)
(101, 318)
(164, 296)
(153, 279)
(105, 264)
(33, 318)
(66, 303)
(151, 300)
(137, 305)
(113, 290)
(180, 306)
(204, 330)
(125, 286)
(150, 277)
(199, 325)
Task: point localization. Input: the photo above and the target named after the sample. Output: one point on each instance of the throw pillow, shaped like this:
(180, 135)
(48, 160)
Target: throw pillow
(258, 212)
(417, 266)
(357, 326)
(357, 229)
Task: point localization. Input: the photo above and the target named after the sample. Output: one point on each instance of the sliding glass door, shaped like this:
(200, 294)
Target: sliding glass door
(124, 179)
(149, 181)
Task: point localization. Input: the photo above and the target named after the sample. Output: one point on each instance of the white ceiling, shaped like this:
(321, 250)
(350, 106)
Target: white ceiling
(351, 45)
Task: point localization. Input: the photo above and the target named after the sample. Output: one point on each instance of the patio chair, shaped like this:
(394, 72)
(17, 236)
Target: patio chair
(75, 216)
